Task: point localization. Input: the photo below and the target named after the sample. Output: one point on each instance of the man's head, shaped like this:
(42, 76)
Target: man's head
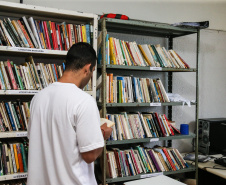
(81, 57)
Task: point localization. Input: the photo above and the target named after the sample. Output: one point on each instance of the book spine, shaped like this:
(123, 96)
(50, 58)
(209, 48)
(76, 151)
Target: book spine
(88, 33)
(34, 33)
(10, 116)
(13, 158)
(20, 160)
(15, 32)
(27, 27)
(25, 34)
(23, 157)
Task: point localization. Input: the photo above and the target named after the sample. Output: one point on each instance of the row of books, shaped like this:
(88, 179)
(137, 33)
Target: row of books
(13, 157)
(30, 75)
(137, 126)
(131, 162)
(14, 182)
(30, 33)
(129, 89)
(14, 116)
(119, 52)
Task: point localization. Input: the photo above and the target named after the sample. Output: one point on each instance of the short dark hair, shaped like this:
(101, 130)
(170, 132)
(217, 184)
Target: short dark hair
(79, 55)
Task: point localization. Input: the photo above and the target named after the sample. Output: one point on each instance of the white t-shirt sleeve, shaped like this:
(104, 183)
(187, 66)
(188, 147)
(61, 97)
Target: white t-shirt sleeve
(89, 135)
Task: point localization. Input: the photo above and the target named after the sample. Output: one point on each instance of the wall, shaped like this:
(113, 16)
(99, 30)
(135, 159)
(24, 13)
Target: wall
(168, 11)
(212, 47)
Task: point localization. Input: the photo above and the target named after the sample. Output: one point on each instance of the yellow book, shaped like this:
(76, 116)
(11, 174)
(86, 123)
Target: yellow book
(16, 157)
(112, 51)
(84, 38)
(144, 55)
(43, 41)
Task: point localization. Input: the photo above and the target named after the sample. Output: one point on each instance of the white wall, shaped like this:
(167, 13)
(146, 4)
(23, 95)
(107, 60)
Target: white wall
(167, 11)
(212, 47)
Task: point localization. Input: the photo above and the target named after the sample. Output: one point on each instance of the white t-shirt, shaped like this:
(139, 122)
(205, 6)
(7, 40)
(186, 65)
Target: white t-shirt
(64, 123)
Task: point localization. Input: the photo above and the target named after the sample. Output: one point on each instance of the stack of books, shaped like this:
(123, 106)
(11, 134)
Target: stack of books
(30, 33)
(137, 126)
(119, 52)
(13, 157)
(131, 162)
(129, 89)
(14, 116)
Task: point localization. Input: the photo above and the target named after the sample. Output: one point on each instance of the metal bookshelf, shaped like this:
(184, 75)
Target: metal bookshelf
(145, 28)
(13, 134)
(13, 176)
(141, 68)
(147, 175)
(150, 139)
(144, 104)
(29, 92)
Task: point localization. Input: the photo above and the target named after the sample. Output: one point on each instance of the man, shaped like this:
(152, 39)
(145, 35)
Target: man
(64, 130)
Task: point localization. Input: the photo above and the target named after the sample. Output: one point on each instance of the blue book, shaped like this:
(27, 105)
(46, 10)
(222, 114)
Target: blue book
(106, 51)
(54, 72)
(10, 116)
(38, 34)
(134, 88)
(88, 33)
(99, 58)
(63, 67)
(151, 129)
(130, 164)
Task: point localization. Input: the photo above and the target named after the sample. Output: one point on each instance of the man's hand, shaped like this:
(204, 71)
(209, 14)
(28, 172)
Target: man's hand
(106, 131)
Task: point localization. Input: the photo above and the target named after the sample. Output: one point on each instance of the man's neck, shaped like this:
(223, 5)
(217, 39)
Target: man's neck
(71, 77)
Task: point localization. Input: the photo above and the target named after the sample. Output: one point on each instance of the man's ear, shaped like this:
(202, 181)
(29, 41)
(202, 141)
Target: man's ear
(87, 68)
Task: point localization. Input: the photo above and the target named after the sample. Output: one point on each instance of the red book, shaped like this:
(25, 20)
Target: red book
(46, 35)
(19, 155)
(54, 38)
(128, 46)
(109, 165)
(118, 163)
(160, 124)
(25, 34)
(12, 78)
(169, 159)
(186, 65)
(76, 35)
(58, 28)
(172, 132)
(81, 33)
(69, 34)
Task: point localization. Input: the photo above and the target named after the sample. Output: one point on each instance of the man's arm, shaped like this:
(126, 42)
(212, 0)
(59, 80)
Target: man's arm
(92, 155)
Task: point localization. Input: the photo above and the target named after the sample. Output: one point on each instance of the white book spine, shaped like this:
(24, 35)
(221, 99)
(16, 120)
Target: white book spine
(34, 30)
(30, 32)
